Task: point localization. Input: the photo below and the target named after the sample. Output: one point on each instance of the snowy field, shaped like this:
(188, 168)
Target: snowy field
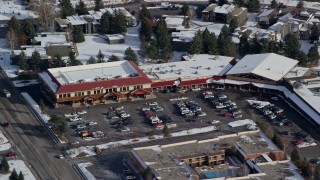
(18, 165)
(14, 8)
(4, 142)
(93, 44)
(84, 171)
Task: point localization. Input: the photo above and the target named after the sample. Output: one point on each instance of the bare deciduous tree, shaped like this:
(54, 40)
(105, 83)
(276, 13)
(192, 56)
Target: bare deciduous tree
(46, 13)
(12, 39)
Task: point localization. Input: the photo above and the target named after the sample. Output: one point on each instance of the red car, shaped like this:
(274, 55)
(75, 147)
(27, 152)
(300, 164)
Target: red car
(11, 154)
(149, 115)
(152, 5)
(227, 114)
(297, 142)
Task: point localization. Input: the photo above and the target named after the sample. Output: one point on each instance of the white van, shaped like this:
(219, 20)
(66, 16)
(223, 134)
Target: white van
(6, 93)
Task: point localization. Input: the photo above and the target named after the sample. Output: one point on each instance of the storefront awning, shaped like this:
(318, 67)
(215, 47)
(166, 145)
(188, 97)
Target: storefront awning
(139, 93)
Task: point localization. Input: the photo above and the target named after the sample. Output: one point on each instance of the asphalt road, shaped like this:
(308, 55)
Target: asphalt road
(35, 148)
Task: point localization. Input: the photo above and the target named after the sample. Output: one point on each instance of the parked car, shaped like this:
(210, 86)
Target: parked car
(157, 108)
(68, 115)
(214, 122)
(272, 116)
(6, 124)
(92, 123)
(153, 104)
(145, 109)
(201, 113)
(82, 112)
(119, 108)
(227, 114)
(125, 115)
(149, 115)
(196, 89)
(11, 154)
(6, 93)
(61, 156)
(81, 127)
(297, 142)
(190, 114)
(76, 118)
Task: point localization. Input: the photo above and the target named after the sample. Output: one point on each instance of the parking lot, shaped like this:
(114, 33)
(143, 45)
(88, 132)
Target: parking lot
(140, 125)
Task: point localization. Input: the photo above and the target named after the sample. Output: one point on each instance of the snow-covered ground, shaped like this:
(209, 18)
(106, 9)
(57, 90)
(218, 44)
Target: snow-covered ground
(14, 8)
(94, 43)
(4, 142)
(35, 106)
(90, 3)
(18, 165)
(84, 171)
(177, 1)
(5, 63)
(305, 46)
(23, 83)
(89, 150)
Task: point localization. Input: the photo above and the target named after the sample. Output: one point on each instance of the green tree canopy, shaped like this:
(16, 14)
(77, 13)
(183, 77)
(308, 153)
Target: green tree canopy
(144, 13)
(313, 54)
(66, 8)
(78, 35)
(81, 8)
(291, 46)
(196, 46)
(185, 10)
(59, 125)
(295, 155)
(28, 30)
(316, 173)
(21, 176)
(153, 50)
(145, 31)
(91, 60)
(253, 5)
(273, 4)
(22, 61)
(113, 58)
(13, 175)
(34, 61)
(100, 57)
(4, 166)
(302, 58)
(244, 45)
(72, 59)
(315, 33)
(57, 61)
(14, 24)
(233, 24)
(130, 55)
(98, 4)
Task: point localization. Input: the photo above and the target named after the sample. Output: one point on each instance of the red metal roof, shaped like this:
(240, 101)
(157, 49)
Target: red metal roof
(130, 81)
(183, 83)
(162, 84)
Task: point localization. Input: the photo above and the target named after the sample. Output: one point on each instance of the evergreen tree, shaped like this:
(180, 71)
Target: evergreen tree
(302, 58)
(313, 54)
(21, 176)
(295, 155)
(35, 60)
(161, 33)
(291, 46)
(72, 59)
(273, 4)
(104, 23)
(222, 41)
(166, 51)
(306, 169)
(233, 25)
(22, 61)
(153, 52)
(145, 31)
(100, 57)
(253, 5)
(118, 23)
(244, 45)
(143, 52)
(272, 47)
(144, 13)
(256, 46)
(14, 24)
(300, 5)
(209, 42)
(316, 173)
(4, 166)
(98, 4)
(66, 8)
(28, 30)
(222, 2)
(240, 3)
(81, 8)
(315, 33)
(212, 1)
(14, 175)
(230, 48)
(130, 55)
(78, 35)
(148, 173)
(91, 60)
(113, 58)
(185, 10)
(57, 61)
(196, 46)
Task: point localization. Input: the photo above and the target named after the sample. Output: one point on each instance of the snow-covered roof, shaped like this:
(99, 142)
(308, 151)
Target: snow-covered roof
(92, 72)
(224, 9)
(114, 36)
(51, 38)
(196, 66)
(174, 21)
(76, 20)
(277, 27)
(265, 13)
(285, 18)
(297, 72)
(9, 9)
(269, 65)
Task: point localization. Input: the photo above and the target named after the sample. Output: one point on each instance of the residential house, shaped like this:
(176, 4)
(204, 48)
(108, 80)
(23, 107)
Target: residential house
(267, 17)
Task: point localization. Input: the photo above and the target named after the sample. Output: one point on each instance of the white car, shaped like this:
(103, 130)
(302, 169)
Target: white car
(6, 93)
(82, 112)
(145, 109)
(70, 115)
(61, 156)
(92, 123)
(157, 108)
(125, 115)
(153, 104)
(214, 122)
(196, 89)
(76, 118)
(201, 113)
(119, 108)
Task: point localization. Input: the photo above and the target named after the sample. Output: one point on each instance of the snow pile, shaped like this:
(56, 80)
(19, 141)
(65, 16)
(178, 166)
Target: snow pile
(306, 144)
(84, 171)
(5, 63)
(23, 83)
(4, 142)
(242, 123)
(35, 106)
(19, 165)
(89, 150)
(83, 151)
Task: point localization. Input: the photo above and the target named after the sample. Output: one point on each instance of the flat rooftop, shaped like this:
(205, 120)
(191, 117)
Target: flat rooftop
(54, 38)
(196, 66)
(279, 170)
(93, 72)
(297, 72)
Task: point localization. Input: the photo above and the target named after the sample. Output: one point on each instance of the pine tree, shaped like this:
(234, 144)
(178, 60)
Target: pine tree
(273, 4)
(244, 45)
(14, 175)
(212, 1)
(28, 30)
(57, 61)
(66, 8)
(300, 5)
(144, 13)
(230, 48)
(113, 58)
(313, 54)
(225, 44)
(98, 4)
(72, 59)
(295, 155)
(196, 46)
(35, 60)
(292, 46)
(4, 166)
(161, 33)
(272, 47)
(22, 61)
(253, 5)
(209, 42)
(14, 24)
(100, 57)
(153, 52)
(315, 33)
(78, 35)
(118, 23)
(166, 51)
(21, 176)
(143, 52)
(316, 173)
(222, 2)
(306, 169)
(130, 55)
(91, 60)
(104, 27)
(81, 8)
(302, 58)
(185, 10)
(233, 25)
(256, 46)
(239, 3)
(145, 31)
